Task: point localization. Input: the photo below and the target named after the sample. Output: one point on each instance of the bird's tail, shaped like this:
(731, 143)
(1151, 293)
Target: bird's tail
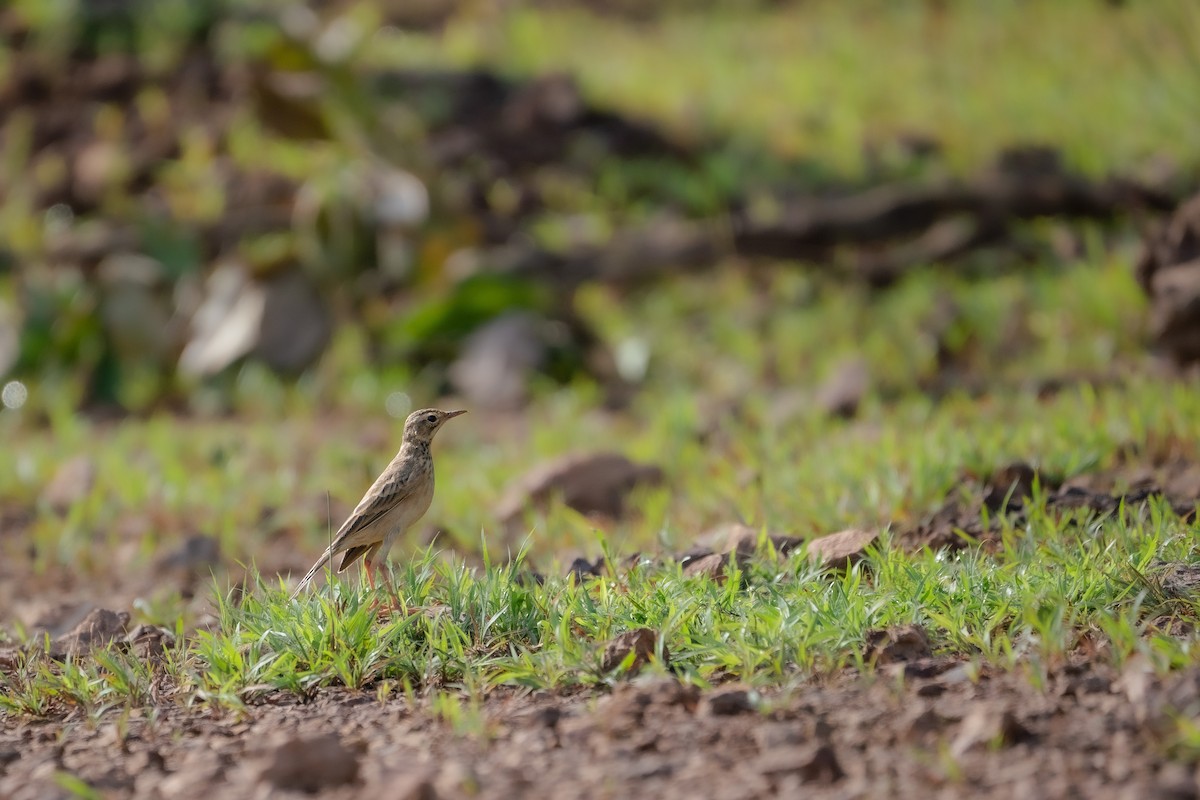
(312, 572)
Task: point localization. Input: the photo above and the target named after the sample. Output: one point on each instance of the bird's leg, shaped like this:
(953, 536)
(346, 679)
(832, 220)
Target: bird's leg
(370, 574)
(383, 609)
(390, 587)
(379, 608)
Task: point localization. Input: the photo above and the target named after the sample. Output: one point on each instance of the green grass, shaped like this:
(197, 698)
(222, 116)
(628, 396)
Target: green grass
(779, 623)
(821, 79)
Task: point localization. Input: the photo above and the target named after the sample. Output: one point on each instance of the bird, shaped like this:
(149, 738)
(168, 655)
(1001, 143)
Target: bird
(398, 498)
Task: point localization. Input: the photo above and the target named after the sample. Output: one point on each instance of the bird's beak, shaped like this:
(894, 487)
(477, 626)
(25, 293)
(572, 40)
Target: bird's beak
(450, 414)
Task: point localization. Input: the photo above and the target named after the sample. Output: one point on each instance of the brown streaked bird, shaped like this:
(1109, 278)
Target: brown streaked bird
(398, 498)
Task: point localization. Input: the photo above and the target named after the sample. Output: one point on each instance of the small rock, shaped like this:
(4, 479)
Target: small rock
(640, 643)
(1174, 319)
(71, 484)
(225, 327)
(99, 628)
(296, 323)
(693, 553)
(732, 700)
(897, 644)
(310, 764)
(711, 565)
(742, 540)
(840, 550)
(1169, 272)
(150, 642)
(285, 322)
(1076, 497)
(401, 199)
(985, 725)
(948, 670)
(582, 568)
(590, 483)
(814, 764)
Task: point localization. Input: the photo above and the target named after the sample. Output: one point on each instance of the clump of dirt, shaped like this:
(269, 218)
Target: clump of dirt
(1169, 272)
(591, 483)
(1005, 495)
(632, 650)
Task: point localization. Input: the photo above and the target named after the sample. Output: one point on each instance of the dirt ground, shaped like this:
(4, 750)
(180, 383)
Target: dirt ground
(924, 728)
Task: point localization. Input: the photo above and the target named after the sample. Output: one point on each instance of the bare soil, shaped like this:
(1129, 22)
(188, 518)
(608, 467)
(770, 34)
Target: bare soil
(920, 729)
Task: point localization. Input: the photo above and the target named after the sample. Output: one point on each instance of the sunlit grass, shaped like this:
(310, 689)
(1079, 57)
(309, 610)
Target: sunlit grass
(775, 623)
(823, 79)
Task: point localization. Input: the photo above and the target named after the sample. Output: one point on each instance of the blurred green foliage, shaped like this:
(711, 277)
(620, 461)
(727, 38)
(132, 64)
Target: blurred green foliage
(265, 132)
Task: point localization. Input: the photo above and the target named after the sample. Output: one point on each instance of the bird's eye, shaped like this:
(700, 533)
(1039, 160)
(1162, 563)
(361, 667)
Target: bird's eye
(431, 418)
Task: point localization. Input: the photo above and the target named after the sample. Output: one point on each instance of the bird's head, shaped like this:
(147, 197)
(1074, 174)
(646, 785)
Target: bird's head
(422, 425)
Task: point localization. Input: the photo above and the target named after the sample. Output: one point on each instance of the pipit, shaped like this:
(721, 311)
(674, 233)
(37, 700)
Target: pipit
(398, 498)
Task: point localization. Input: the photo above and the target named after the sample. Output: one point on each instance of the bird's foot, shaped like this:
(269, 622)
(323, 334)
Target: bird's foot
(387, 604)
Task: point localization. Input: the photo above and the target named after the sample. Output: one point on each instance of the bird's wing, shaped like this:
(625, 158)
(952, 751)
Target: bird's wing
(389, 490)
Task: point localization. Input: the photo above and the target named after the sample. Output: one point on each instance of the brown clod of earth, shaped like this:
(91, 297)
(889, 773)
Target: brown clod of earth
(903, 643)
(590, 483)
(743, 540)
(1169, 273)
(713, 565)
(99, 628)
(582, 568)
(639, 644)
(72, 482)
(310, 764)
(728, 701)
(1010, 485)
(149, 642)
(1125, 487)
(840, 550)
